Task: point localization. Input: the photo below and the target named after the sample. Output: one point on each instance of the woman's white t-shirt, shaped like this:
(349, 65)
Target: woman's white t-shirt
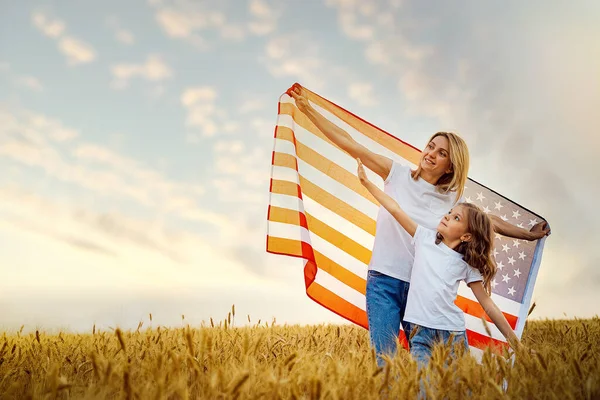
(436, 274)
(393, 250)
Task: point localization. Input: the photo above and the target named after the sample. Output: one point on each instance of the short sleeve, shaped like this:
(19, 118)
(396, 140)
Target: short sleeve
(473, 275)
(422, 234)
(395, 175)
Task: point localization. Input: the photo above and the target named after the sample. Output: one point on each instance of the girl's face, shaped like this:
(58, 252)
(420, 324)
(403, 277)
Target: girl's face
(454, 225)
(436, 156)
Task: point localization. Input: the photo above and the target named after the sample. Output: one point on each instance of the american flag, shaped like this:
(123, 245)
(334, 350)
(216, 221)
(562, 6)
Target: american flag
(319, 212)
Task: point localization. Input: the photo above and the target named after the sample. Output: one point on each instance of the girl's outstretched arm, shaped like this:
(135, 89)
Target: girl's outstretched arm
(492, 310)
(386, 201)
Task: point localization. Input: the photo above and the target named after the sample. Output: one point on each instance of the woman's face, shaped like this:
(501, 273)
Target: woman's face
(436, 157)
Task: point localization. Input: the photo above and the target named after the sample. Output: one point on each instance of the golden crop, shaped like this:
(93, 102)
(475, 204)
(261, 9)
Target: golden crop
(289, 362)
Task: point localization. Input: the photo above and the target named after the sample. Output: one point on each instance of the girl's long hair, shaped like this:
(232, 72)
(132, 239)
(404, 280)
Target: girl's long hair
(459, 157)
(478, 251)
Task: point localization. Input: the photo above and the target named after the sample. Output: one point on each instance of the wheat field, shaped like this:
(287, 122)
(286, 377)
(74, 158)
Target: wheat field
(269, 361)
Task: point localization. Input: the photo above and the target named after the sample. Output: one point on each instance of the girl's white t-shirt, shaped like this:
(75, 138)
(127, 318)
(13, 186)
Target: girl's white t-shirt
(393, 250)
(436, 274)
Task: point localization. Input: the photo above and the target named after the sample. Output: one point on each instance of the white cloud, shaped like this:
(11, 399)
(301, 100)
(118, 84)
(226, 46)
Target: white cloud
(154, 69)
(37, 141)
(196, 95)
(194, 21)
(50, 27)
(295, 56)
(264, 17)
(362, 93)
(30, 82)
(233, 32)
(202, 112)
(77, 51)
(252, 105)
(122, 35)
(125, 36)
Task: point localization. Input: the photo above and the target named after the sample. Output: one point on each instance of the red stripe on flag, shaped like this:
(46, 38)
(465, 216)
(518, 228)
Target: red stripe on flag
(475, 309)
(481, 341)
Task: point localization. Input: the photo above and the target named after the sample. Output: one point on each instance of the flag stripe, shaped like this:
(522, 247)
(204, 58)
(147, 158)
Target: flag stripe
(338, 305)
(332, 169)
(289, 231)
(506, 305)
(475, 309)
(328, 201)
(344, 291)
(376, 141)
(322, 230)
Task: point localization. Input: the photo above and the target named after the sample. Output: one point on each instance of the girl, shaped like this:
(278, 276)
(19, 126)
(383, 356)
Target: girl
(459, 249)
(426, 194)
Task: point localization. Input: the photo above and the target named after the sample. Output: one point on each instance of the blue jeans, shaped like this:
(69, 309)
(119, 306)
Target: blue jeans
(424, 339)
(386, 302)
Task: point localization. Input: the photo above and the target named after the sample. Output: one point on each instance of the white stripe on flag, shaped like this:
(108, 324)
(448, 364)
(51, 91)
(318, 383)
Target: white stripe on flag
(337, 189)
(284, 174)
(324, 148)
(476, 325)
(345, 292)
(295, 232)
(506, 305)
(330, 218)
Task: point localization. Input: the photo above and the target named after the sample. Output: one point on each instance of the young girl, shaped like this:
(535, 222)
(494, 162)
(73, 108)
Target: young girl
(459, 249)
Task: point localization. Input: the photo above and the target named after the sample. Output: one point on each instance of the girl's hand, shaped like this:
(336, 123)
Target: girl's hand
(540, 230)
(301, 101)
(361, 172)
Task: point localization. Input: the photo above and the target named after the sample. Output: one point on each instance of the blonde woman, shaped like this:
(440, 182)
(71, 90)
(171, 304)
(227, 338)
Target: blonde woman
(425, 194)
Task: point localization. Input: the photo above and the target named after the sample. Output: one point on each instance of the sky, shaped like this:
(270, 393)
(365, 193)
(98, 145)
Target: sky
(135, 142)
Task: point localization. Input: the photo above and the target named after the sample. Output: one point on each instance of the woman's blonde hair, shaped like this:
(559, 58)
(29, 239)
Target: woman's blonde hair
(456, 179)
(477, 252)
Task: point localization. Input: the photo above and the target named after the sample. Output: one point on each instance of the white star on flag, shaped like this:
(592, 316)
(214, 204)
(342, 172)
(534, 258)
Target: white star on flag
(500, 265)
(516, 214)
(532, 222)
(493, 283)
(498, 206)
(516, 243)
(522, 255)
(504, 218)
(505, 248)
(511, 291)
(486, 210)
(480, 196)
(520, 225)
(495, 252)
(517, 273)
(468, 200)
(505, 278)
(511, 260)
(497, 236)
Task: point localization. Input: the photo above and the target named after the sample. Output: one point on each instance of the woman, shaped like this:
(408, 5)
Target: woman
(426, 194)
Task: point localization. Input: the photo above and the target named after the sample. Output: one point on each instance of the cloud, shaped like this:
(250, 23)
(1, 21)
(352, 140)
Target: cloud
(194, 22)
(202, 112)
(154, 69)
(42, 143)
(50, 27)
(121, 34)
(362, 93)
(76, 50)
(295, 56)
(30, 82)
(125, 37)
(264, 17)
